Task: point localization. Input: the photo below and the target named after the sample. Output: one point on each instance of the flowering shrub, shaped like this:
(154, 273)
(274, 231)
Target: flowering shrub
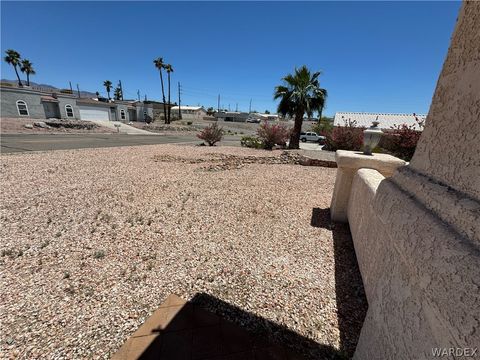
(347, 137)
(402, 140)
(211, 134)
(273, 134)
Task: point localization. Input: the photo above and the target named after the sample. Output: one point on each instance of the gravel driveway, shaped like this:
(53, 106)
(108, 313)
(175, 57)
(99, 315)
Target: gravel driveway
(93, 240)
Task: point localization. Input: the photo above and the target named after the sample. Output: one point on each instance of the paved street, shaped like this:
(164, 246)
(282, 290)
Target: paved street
(11, 143)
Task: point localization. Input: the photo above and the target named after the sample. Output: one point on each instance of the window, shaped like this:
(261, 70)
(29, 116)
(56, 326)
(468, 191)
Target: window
(122, 114)
(22, 108)
(69, 110)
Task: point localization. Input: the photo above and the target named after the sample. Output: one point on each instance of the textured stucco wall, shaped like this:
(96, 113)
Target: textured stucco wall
(417, 233)
(449, 149)
(420, 275)
(9, 97)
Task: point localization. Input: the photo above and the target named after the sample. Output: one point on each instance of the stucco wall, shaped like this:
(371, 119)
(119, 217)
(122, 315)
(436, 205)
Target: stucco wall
(420, 275)
(9, 97)
(417, 233)
(449, 148)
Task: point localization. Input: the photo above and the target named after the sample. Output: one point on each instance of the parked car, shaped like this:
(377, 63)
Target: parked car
(312, 136)
(253, 120)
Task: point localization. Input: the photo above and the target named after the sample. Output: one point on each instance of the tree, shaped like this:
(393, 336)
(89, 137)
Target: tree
(117, 93)
(13, 58)
(159, 64)
(27, 68)
(168, 69)
(108, 87)
(300, 94)
(267, 112)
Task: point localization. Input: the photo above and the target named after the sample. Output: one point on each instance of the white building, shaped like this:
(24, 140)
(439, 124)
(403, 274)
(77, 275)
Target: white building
(387, 121)
(190, 112)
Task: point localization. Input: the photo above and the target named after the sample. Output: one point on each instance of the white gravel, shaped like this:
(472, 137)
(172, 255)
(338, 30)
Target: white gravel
(94, 240)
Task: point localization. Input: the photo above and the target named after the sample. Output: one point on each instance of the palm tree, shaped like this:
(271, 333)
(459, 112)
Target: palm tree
(27, 68)
(13, 58)
(169, 69)
(159, 64)
(108, 87)
(300, 94)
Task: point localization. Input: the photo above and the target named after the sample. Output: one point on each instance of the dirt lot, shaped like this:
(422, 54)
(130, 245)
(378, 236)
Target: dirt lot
(17, 126)
(94, 240)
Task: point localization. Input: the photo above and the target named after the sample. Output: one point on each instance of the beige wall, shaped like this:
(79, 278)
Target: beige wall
(417, 233)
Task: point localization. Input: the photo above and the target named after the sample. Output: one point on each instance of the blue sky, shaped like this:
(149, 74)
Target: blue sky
(375, 56)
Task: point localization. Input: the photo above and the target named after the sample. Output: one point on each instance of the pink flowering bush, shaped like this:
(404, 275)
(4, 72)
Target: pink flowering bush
(273, 134)
(211, 134)
(347, 137)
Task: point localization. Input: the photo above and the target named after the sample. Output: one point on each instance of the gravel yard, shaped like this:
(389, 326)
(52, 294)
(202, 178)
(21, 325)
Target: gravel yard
(94, 240)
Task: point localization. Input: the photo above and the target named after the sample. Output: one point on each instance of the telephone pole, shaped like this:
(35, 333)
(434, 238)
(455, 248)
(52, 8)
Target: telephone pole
(179, 103)
(236, 108)
(71, 90)
(250, 107)
(218, 106)
(138, 94)
(78, 91)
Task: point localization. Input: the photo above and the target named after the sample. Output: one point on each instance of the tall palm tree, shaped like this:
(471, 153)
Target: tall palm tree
(108, 87)
(169, 69)
(27, 68)
(159, 64)
(301, 94)
(13, 58)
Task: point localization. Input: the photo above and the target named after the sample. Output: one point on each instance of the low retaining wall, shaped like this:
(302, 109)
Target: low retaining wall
(421, 277)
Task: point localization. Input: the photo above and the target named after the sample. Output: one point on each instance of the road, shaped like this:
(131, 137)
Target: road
(14, 143)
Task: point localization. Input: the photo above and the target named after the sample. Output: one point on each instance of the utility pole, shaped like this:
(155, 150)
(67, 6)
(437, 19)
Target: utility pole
(228, 107)
(138, 94)
(71, 90)
(145, 97)
(121, 88)
(218, 107)
(78, 90)
(250, 107)
(179, 103)
(236, 108)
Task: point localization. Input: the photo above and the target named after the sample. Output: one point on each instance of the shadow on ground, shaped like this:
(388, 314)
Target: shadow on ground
(207, 327)
(351, 301)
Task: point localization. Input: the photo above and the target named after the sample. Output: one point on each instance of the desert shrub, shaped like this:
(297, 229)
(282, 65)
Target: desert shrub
(347, 137)
(211, 134)
(273, 134)
(189, 123)
(323, 127)
(251, 142)
(402, 140)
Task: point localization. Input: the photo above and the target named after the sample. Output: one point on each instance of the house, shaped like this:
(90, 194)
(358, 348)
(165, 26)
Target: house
(232, 116)
(28, 103)
(189, 112)
(49, 103)
(387, 121)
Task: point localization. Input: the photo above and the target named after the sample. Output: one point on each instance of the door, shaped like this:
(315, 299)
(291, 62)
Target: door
(51, 110)
(93, 113)
(113, 114)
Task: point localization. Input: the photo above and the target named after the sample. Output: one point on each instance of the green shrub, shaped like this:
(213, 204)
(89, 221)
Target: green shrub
(251, 142)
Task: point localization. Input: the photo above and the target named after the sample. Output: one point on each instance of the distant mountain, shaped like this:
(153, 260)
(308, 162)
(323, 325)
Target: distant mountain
(47, 87)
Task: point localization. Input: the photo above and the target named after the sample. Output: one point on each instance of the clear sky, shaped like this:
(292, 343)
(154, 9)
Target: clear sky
(375, 56)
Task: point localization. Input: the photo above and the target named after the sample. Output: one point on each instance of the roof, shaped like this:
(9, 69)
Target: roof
(387, 121)
(94, 102)
(194, 108)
